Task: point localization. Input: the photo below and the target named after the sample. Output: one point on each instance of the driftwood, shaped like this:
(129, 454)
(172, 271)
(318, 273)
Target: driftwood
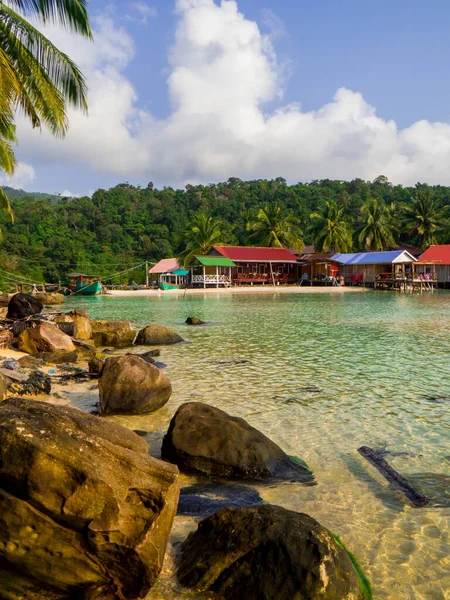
(393, 477)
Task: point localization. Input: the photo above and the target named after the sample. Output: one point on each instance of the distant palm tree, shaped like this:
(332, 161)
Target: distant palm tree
(203, 233)
(376, 232)
(35, 76)
(332, 232)
(424, 218)
(275, 228)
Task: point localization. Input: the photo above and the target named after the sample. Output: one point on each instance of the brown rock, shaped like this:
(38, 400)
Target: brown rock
(51, 299)
(130, 385)
(6, 338)
(44, 337)
(268, 552)
(118, 334)
(209, 440)
(155, 335)
(84, 509)
(82, 329)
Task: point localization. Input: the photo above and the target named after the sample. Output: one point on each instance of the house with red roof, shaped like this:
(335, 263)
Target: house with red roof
(258, 265)
(439, 256)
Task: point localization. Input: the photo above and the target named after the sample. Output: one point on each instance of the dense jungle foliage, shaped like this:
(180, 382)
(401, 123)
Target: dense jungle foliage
(126, 225)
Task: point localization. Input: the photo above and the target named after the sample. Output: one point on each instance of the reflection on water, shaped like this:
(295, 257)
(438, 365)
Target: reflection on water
(323, 375)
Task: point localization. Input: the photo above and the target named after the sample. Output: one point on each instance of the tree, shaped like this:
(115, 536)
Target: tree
(331, 230)
(35, 76)
(376, 232)
(203, 233)
(274, 227)
(424, 217)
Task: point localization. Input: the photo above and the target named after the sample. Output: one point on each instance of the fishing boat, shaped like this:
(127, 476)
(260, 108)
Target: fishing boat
(173, 280)
(81, 285)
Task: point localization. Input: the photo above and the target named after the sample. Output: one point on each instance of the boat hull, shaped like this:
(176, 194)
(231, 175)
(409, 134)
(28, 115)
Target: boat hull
(169, 286)
(92, 289)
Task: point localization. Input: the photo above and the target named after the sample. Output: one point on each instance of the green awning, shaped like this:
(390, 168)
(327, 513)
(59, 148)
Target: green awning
(180, 272)
(215, 261)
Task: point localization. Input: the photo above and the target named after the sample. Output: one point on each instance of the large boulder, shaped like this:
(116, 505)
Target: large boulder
(130, 385)
(51, 298)
(194, 321)
(82, 329)
(118, 334)
(156, 335)
(23, 305)
(44, 337)
(206, 439)
(270, 553)
(85, 511)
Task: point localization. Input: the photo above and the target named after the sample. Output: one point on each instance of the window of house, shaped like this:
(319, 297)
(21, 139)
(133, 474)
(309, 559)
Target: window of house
(262, 269)
(240, 269)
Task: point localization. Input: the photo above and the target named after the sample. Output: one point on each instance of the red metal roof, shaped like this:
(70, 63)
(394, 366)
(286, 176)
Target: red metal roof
(166, 265)
(439, 253)
(249, 254)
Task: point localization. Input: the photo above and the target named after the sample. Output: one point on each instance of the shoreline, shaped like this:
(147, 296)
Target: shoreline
(267, 289)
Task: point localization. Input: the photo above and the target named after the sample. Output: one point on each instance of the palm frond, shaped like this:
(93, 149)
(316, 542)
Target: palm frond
(69, 13)
(5, 205)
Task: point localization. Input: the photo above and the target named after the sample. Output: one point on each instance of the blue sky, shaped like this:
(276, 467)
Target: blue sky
(202, 90)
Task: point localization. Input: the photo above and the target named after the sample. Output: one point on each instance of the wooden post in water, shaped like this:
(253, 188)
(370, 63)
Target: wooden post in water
(146, 274)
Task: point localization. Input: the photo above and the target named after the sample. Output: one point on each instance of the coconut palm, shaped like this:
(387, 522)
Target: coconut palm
(274, 227)
(376, 232)
(423, 219)
(203, 233)
(35, 77)
(331, 230)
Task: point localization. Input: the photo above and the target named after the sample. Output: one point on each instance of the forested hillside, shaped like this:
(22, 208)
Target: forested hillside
(126, 225)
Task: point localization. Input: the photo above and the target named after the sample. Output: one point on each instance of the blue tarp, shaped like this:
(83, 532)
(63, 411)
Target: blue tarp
(180, 272)
(372, 258)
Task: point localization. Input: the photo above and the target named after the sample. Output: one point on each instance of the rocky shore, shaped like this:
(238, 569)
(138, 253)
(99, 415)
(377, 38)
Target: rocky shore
(87, 512)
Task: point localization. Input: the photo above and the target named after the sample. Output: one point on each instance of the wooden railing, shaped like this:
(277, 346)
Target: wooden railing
(211, 279)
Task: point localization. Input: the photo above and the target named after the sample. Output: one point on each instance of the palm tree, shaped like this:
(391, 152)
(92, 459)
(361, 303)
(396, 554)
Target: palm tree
(376, 232)
(203, 233)
(35, 77)
(274, 227)
(332, 232)
(424, 218)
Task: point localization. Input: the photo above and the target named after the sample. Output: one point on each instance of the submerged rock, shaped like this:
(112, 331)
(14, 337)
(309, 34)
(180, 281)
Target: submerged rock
(23, 305)
(202, 500)
(268, 553)
(44, 337)
(118, 333)
(206, 439)
(194, 321)
(84, 510)
(129, 385)
(156, 335)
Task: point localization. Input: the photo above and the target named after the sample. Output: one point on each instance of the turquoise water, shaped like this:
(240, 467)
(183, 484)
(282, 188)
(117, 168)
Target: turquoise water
(322, 375)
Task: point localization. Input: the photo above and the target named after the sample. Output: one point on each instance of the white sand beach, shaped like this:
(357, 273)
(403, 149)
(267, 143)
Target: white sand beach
(263, 289)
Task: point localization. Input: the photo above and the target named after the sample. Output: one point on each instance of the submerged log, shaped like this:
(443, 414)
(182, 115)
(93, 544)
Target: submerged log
(397, 480)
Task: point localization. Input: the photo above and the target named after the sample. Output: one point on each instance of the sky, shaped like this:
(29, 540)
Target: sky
(197, 91)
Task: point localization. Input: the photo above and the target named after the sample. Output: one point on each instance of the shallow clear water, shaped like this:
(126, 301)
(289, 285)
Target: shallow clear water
(322, 375)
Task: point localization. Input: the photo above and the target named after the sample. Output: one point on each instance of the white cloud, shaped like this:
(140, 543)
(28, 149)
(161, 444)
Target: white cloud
(141, 12)
(223, 74)
(23, 176)
(69, 194)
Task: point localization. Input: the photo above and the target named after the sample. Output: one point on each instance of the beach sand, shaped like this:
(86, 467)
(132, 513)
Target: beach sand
(262, 289)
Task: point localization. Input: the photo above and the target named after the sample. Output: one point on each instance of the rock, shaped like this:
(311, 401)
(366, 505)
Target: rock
(112, 333)
(202, 500)
(194, 321)
(57, 358)
(85, 351)
(4, 299)
(24, 305)
(97, 363)
(44, 337)
(13, 375)
(37, 384)
(31, 362)
(205, 439)
(51, 299)
(268, 552)
(156, 335)
(11, 364)
(151, 353)
(82, 329)
(85, 512)
(146, 356)
(129, 385)
(6, 338)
